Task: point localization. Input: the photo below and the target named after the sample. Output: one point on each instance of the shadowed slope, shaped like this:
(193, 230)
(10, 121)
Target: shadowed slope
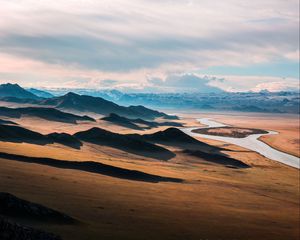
(175, 137)
(50, 114)
(11, 133)
(217, 158)
(132, 123)
(121, 121)
(13, 231)
(92, 167)
(13, 206)
(5, 122)
(65, 139)
(126, 143)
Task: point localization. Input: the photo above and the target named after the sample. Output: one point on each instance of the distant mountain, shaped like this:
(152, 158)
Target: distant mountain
(124, 142)
(133, 123)
(40, 93)
(14, 90)
(50, 114)
(83, 103)
(273, 102)
(20, 100)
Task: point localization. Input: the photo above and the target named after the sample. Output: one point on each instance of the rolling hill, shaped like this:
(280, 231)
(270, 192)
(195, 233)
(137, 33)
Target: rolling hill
(124, 142)
(134, 123)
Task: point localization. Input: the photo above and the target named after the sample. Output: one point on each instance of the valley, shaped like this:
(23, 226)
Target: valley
(143, 177)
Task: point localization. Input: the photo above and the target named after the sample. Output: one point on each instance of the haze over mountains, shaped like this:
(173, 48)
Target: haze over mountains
(78, 103)
(14, 90)
(264, 101)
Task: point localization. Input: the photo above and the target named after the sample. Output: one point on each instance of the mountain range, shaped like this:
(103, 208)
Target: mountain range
(50, 114)
(78, 103)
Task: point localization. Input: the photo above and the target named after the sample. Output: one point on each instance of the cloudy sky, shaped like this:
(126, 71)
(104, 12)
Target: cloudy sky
(151, 45)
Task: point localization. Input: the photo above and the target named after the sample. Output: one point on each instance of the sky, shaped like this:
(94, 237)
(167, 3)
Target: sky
(151, 45)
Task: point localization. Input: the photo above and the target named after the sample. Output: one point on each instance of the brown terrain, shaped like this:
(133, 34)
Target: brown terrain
(192, 195)
(229, 131)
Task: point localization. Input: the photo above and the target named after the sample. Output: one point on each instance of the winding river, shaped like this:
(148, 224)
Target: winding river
(250, 142)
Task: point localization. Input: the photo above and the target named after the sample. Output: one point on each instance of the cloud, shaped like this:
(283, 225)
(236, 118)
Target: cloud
(182, 83)
(244, 83)
(276, 86)
(82, 43)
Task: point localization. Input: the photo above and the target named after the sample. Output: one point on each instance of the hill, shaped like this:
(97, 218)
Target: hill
(121, 121)
(40, 93)
(132, 123)
(13, 206)
(10, 133)
(83, 103)
(7, 122)
(65, 139)
(175, 137)
(50, 114)
(14, 90)
(10, 230)
(125, 143)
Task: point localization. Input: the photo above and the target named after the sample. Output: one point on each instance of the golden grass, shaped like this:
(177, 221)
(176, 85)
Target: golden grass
(214, 202)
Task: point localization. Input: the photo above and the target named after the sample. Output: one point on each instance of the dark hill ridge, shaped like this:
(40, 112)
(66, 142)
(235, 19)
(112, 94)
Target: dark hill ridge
(218, 159)
(13, 206)
(175, 137)
(132, 123)
(170, 135)
(125, 143)
(5, 122)
(14, 90)
(10, 230)
(40, 93)
(93, 167)
(84, 103)
(20, 100)
(121, 121)
(10, 133)
(50, 114)
(65, 139)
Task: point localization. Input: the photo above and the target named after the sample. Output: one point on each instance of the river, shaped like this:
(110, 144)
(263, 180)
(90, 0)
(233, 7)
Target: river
(250, 142)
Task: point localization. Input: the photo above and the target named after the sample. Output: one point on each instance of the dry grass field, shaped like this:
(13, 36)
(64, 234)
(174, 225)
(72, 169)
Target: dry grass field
(214, 202)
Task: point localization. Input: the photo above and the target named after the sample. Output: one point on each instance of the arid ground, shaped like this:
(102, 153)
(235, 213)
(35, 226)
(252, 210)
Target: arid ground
(213, 201)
